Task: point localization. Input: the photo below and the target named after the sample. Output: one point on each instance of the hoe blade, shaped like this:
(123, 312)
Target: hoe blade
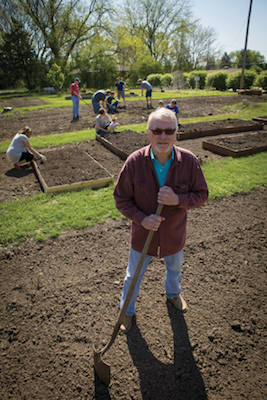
(101, 368)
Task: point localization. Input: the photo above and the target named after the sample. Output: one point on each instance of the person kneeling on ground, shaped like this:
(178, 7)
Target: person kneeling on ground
(173, 107)
(113, 125)
(20, 150)
(111, 102)
(102, 122)
(160, 173)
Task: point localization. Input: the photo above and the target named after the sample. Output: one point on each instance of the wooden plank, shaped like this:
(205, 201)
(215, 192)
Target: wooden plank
(214, 132)
(41, 179)
(111, 147)
(260, 119)
(93, 184)
(225, 151)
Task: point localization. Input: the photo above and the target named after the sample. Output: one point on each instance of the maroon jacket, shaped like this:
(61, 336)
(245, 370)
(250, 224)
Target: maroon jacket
(136, 192)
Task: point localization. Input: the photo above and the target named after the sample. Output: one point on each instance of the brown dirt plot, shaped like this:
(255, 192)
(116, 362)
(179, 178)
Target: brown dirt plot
(217, 350)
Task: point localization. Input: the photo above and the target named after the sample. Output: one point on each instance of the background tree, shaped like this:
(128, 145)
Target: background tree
(55, 77)
(142, 67)
(63, 25)
(155, 20)
(200, 43)
(252, 58)
(18, 61)
(225, 61)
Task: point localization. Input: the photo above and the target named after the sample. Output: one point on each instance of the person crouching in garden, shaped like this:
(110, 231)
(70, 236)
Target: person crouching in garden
(102, 122)
(20, 150)
(113, 125)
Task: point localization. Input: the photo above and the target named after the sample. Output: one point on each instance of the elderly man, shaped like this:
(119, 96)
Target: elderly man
(159, 173)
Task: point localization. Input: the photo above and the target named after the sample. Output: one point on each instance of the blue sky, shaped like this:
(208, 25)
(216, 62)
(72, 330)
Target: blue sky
(229, 19)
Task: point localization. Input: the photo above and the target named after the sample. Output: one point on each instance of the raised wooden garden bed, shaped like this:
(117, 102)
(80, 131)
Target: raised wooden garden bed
(211, 128)
(250, 92)
(239, 145)
(69, 169)
(263, 120)
(123, 143)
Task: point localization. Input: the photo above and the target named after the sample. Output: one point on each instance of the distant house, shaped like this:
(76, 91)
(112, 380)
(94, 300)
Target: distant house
(226, 69)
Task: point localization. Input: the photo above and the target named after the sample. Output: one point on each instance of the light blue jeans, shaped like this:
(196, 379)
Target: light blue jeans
(172, 279)
(75, 107)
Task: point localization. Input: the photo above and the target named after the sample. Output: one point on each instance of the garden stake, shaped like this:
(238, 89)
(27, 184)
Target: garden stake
(101, 367)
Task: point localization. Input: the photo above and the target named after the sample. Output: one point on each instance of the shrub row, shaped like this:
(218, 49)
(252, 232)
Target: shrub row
(217, 80)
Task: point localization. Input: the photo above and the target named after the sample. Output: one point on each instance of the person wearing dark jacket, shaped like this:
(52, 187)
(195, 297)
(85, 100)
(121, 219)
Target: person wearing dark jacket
(159, 173)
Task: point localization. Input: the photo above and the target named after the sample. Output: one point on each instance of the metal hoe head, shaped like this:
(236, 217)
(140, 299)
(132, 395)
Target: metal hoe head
(101, 368)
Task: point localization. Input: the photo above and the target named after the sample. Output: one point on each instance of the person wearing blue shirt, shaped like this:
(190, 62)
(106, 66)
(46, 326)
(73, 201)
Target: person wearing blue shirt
(173, 107)
(148, 88)
(120, 87)
(111, 102)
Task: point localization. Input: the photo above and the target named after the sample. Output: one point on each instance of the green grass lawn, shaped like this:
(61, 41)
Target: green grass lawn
(45, 215)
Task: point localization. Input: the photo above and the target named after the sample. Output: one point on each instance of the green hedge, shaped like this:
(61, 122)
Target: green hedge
(217, 80)
(202, 81)
(261, 80)
(233, 80)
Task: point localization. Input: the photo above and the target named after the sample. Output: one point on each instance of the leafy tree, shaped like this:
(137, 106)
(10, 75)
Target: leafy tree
(63, 25)
(127, 47)
(233, 80)
(154, 21)
(252, 58)
(180, 53)
(200, 44)
(56, 77)
(142, 67)
(201, 83)
(225, 61)
(18, 62)
(217, 80)
(261, 80)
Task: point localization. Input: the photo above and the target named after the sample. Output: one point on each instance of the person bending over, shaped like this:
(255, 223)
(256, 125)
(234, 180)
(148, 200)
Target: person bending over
(20, 150)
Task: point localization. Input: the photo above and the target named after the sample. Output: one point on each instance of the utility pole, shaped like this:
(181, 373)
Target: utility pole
(245, 50)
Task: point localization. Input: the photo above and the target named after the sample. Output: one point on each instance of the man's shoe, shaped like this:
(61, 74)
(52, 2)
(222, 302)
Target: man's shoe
(179, 303)
(126, 323)
(74, 119)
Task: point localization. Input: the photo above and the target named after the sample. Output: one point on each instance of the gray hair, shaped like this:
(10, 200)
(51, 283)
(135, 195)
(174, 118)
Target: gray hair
(165, 115)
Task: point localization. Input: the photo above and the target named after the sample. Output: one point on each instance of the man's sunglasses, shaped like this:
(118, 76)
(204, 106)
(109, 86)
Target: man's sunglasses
(158, 131)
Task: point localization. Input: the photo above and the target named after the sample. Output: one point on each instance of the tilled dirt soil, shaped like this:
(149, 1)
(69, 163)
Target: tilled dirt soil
(58, 120)
(217, 350)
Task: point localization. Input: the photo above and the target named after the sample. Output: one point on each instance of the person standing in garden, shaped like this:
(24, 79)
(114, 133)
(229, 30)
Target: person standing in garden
(20, 150)
(120, 87)
(148, 88)
(75, 97)
(166, 174)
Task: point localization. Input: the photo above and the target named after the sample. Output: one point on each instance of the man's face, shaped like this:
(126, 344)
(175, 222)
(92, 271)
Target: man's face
(162, 144)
